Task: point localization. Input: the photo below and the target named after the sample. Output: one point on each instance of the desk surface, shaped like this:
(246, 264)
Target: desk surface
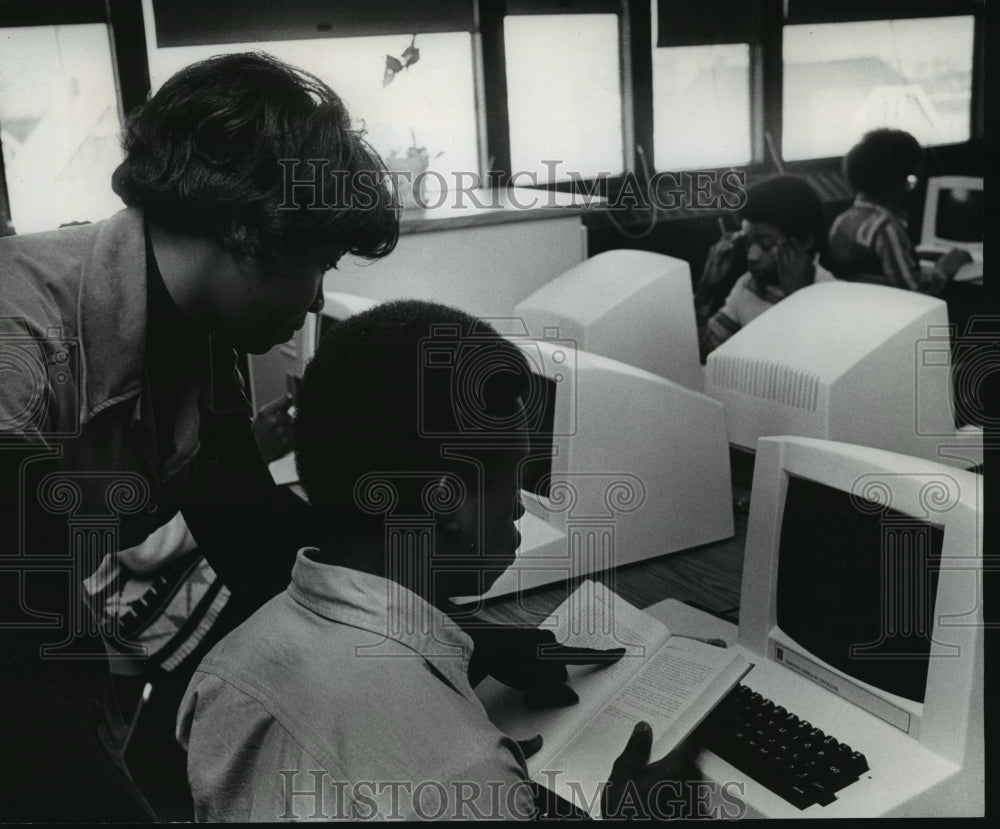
(709, 576)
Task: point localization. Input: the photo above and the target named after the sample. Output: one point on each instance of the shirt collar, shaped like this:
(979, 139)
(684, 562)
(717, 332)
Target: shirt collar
(384, 607)
(861, 200)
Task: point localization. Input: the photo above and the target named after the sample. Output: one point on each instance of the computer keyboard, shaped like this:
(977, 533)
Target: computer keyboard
(780, 750)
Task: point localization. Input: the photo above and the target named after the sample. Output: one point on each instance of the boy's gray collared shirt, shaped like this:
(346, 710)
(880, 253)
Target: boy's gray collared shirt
(345, 696)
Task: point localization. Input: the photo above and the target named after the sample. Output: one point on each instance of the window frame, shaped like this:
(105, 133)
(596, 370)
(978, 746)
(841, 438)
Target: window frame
(126, 41)
(765, 37)
(855, 12)
(124, 19)
(497, 139)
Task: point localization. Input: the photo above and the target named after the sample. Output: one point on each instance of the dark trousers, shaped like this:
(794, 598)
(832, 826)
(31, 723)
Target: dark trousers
(61, 746)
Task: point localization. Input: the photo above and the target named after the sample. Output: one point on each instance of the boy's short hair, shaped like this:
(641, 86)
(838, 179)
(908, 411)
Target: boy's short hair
(790, 204)
(390, 387)
(881, 162)
(213, 153)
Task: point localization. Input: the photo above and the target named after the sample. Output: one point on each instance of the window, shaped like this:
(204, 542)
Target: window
(701, 82)
(843, 79)
(564, 96)
(59, 124)
(429, 106)
(701, 106)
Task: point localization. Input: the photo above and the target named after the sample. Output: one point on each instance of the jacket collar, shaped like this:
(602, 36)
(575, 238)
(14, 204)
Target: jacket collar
(111, 313)
(112, 320)
(384, 607)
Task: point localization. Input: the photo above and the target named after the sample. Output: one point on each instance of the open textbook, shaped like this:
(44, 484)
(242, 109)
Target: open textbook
(671, 682)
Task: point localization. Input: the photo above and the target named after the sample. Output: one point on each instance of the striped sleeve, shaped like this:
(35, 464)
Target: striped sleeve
(899, 261)
(716, 331)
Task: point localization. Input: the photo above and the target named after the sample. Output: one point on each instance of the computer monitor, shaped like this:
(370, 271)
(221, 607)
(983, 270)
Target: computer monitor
(624, 466)
(861, 606)
(630, 305)
(845, 361)
(953, 215)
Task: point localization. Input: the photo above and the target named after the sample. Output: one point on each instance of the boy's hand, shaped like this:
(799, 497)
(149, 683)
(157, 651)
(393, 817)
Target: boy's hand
(726, 260)
(794, 265)
(634, 780)
(952, 261)
(727, 255)
(531, 660)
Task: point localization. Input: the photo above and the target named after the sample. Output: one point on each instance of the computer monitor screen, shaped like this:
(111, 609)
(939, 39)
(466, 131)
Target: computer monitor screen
(630, 305)
(954, 215)
(842, 560)
(960, 215)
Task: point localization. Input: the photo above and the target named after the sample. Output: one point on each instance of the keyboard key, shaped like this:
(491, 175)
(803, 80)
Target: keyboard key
(858, 763)
(835, 777)
(821, 793)
(798, 796)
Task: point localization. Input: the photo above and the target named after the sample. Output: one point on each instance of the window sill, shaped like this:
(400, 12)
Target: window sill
(457, 209)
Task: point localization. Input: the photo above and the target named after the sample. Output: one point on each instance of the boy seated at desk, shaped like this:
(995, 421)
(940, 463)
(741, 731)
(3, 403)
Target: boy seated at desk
(782, 232)
(348, 696)
(869, 242)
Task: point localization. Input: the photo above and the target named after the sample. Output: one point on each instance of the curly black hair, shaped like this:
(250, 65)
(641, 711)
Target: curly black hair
(218, 149)
(880, 163)
(376, 399)
(790, 204)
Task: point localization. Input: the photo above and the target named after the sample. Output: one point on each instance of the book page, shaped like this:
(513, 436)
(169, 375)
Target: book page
(673, 692)
(591, 617)
(283, 470)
